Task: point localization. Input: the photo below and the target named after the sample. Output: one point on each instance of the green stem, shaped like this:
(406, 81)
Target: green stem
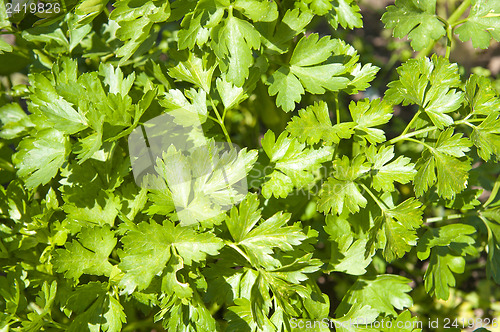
(106, 11)
(467, 123)
(459, 12)
(413, 133)
(426, 51)
(58, 325)
(220, 120)
(7, 166)
(380, 204)
(114, 261)
(470, 124)
(411, 122)
(458, 23)
(241, 252)
(469, 120)
(337, 108)
(403, 136)
(420, 142)
(449, 42)
(468, 116)
(450, 217)
(107, 57)
(224, 114)
(213, 119)
(494, 192)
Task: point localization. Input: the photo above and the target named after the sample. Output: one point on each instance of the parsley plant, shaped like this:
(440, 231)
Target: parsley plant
(348, 215)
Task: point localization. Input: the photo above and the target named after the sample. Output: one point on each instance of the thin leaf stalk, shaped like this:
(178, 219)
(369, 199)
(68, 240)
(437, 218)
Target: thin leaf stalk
(494, 192)
(220, 120)
(403, 137)
(380, 204)
(443, 218)
(415, 117)
(459, 12)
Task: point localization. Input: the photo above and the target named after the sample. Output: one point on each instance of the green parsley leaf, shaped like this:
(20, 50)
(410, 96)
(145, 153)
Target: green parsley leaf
(201, 184)
(240, 317)
(89, 196)
(45, 301)
(88, 255)
(230, 94)
(136, 20)
(481, 96)
(294, 22)
(386, 172)
(404, 323)
(14, 121)
(362, 76)
(368, 114)
(242, 220)
(346, 13)
(383, 294)
(186, 113)
(39, 158)
(257, 11)
(194, 70)
(491, 219)
(357, 312)
(294, 164)
(347, 253)
(313, 124)
(418, 20)
(429, 83)
(285, 281)
(147, 251)
(449, 244)
(287, 87)
(341, 192)
(270, 234)
(193, 315)
(46, 100)
(95, 309)
(307, 73)
(452, 173)
(482, 24)
(486, 137)
(233, 43)
(395, 229)
(87, 10)
(260, 240)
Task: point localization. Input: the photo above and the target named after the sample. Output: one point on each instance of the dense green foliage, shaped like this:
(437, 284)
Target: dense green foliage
(352, 213)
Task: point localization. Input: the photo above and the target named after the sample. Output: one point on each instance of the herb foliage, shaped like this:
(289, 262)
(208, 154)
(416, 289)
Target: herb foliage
(334, 192)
